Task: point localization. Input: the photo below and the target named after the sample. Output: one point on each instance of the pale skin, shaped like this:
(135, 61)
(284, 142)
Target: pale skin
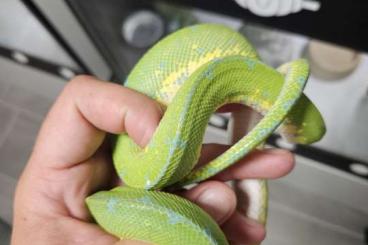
(71, 159)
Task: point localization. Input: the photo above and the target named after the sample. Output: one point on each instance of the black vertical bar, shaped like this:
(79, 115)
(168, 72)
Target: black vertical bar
(57, 36)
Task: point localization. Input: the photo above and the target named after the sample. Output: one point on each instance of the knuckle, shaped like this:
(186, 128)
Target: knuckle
(223, 188)
(76, 82)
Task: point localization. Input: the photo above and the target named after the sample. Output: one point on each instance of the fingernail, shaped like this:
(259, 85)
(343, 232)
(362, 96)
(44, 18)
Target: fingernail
(254, 229)
(251, 223)
(149, 131)
(212, 201)
(146, 137)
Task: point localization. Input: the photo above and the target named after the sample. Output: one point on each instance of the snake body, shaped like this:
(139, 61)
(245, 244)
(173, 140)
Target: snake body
(191, 73)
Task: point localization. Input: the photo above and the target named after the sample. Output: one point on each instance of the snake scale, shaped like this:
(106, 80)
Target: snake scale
(191, 73)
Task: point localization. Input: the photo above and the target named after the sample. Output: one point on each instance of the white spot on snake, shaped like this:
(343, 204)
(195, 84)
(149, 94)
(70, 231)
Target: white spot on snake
(287, 104)
(145, 200)
(212, 171)
(265, 94)
(209, 235)
(178, 142)
(163, 65)
(263, 132)
(250, 63)
(111, 203)
(200, 50)
(216, 60)
(301, 80)
(236, 156)
(181, 79)
(207, 231)
(148, 182)
(174, 218)
(121, 174)
(232, 41)
(210, 73)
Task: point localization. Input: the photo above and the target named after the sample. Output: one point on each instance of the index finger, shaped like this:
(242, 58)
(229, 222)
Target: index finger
(87, 108)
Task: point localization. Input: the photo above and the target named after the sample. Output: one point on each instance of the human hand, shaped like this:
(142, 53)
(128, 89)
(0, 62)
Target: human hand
(71, 160)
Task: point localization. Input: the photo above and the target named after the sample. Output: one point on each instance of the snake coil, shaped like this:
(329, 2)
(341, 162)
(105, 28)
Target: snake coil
(191, 73)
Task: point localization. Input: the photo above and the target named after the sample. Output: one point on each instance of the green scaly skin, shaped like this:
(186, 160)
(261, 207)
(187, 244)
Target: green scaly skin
(192, 72)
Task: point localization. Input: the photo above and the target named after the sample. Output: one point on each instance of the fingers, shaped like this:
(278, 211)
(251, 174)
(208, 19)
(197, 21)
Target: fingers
(242, 230)
(263, 164)
(215, 197)
(219, 201)
(59, 230)
(61, 166)
(76, 183)
(74, 127)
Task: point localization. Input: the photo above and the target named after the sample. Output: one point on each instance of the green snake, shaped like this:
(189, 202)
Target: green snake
(191, 73)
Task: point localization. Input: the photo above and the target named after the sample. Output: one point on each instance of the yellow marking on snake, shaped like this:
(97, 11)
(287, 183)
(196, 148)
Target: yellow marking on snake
(191, 73)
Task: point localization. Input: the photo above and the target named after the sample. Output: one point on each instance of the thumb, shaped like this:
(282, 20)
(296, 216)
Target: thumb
(215, 197)
(87, 108)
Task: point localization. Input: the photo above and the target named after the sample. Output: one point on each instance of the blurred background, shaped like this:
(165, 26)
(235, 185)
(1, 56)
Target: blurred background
(43, 44)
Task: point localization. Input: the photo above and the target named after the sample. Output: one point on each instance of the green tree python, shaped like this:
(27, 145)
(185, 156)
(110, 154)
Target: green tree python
(191, 73)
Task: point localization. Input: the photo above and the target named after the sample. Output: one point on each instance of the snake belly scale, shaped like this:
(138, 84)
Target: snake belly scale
(191, 73)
